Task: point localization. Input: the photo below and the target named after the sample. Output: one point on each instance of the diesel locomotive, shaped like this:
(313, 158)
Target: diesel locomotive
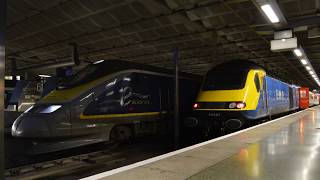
(238, 93)
(106, 101)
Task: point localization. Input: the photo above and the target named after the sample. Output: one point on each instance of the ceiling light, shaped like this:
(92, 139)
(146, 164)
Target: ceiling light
(308, 67)
(8, 77)
(304, 62)
(44, 76)
(97, 62)
(267, 9)
(311, 72)
(297, 52)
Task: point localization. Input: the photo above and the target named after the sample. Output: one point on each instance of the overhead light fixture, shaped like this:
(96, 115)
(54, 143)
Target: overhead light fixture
(308, 67)
(44, 75)
(8, 77)
(267, 9)
(304, 62)
(311, 72)
(297, 52)
(97, 62)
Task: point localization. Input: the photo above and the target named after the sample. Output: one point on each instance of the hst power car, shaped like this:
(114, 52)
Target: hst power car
(238, 93)
(107, 100)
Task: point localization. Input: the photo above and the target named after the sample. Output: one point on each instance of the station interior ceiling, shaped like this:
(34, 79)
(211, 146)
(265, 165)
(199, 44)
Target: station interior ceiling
(206, 32)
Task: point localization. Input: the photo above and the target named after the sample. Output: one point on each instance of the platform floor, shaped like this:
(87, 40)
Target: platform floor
(286, 148)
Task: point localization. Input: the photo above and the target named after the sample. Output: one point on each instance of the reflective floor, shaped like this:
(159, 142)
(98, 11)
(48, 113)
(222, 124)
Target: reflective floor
(293, 153)
(286, 148)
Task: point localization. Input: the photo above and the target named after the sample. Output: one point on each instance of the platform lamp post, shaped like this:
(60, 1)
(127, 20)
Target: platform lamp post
(175, 59)
(3, 13)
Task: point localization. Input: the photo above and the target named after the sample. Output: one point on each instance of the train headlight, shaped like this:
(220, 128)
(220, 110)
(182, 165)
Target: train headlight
(50, 109)
(241, 105)
(237, 105)
(44, 109)
(232, 105)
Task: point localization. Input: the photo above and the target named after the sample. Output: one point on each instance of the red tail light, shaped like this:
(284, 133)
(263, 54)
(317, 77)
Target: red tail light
(196, 106)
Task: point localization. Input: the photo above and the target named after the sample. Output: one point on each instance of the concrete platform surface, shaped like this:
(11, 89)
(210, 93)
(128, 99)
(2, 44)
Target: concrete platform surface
(285, 148)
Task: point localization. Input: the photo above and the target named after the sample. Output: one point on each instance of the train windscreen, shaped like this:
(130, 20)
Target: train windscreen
(225, 80)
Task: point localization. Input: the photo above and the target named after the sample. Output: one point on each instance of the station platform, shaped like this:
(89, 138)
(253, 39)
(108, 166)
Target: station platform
(284, 148)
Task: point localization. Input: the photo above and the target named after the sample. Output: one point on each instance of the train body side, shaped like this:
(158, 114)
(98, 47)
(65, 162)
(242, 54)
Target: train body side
(313, 99)
(277, 96)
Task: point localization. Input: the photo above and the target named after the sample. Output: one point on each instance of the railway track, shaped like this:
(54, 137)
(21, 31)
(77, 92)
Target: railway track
(82, 165)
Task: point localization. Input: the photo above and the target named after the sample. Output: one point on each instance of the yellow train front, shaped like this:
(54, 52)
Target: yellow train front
(235, 95)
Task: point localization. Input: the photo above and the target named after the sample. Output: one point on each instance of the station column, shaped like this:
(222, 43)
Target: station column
(2, 69)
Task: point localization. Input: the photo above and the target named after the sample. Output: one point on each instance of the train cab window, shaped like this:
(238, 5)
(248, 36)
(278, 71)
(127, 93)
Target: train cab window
(257, 82)
(225, 79)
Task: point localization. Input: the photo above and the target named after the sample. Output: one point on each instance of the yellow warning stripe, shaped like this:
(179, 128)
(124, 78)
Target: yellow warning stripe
(103, 116)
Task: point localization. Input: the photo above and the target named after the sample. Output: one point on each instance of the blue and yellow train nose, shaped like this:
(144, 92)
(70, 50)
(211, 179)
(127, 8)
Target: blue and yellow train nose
(37, 121)
(28, 126)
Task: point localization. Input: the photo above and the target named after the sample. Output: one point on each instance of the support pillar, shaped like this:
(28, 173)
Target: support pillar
(176, 100)
(3, 14)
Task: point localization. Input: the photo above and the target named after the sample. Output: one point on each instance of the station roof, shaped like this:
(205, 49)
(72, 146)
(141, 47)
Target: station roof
(207, 32)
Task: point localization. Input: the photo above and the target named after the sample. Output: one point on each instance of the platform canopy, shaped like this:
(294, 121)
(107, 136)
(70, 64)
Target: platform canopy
(206, 32)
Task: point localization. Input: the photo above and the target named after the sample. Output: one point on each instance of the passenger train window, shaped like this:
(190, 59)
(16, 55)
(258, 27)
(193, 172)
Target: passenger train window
(257, 82)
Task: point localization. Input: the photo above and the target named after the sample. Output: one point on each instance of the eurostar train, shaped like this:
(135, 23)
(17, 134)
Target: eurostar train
(107, 100)
(238, 93)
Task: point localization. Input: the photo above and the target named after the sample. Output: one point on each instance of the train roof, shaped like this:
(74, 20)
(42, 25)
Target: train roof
(116, 65)
(237, 64)
(103, 68)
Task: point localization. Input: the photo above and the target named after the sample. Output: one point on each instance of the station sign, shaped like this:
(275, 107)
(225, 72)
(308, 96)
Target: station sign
(288, 44)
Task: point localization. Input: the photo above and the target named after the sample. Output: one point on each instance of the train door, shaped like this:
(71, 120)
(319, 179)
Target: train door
(291, 103)
(264, 94)
(78, 108)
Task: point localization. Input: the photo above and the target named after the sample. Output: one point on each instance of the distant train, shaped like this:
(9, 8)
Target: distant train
(238, 93)
(307, 98)
(107, 100)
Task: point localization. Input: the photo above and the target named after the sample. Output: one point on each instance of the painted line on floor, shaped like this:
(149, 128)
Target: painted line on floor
(157, 158)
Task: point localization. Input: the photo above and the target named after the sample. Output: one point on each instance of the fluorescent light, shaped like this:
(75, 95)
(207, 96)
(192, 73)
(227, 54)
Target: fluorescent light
(304, 62)
(314, 76)
(97, 62)
(297, 52)
(308, 67)
(8, 77)
(267, 9)
(311, 72)
(44, 75)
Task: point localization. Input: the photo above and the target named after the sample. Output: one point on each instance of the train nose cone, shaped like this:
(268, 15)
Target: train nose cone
(30, 127)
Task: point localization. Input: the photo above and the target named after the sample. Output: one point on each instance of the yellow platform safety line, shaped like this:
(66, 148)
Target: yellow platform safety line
(248, 94)
(103, 116)
(219, 109)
